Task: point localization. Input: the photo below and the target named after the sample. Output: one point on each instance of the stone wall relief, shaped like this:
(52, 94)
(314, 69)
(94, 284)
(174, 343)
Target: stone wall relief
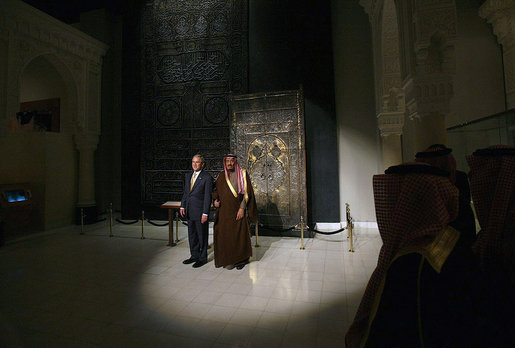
(430, 90)
(501, 15)
(73, 70)
(390, 94)
(76, 57)
(193, 57)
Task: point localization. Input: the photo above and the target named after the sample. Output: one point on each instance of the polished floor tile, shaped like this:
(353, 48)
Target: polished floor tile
(63, 289)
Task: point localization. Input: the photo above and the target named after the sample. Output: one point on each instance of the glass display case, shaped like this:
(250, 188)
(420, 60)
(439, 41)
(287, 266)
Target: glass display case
(492, 130)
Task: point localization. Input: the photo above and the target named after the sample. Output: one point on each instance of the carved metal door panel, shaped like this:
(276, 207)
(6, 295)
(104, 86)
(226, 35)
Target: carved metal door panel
(194, 54)
(267, 134)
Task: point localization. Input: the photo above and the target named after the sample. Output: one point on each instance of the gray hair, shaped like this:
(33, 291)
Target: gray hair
(199, 156)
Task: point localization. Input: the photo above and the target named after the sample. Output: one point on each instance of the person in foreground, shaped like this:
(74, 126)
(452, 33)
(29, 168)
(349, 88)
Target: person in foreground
(195, 205)
(424, 290)
(234, 198)
(439, 155)
(492, 185)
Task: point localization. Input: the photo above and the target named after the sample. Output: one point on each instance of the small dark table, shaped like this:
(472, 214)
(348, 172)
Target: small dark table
(173, 209)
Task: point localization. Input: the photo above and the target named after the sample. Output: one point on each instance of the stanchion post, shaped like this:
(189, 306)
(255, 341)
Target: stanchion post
(302, 233)
(177, 226)
(170, 230)
(142, 224)
(350, 227)
(257, 235)
(110, 219)
(81, 220)
(350, 236)
(347, 218)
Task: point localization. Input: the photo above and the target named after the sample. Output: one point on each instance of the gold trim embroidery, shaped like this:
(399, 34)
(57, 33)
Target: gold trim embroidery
(438, 251)
(234, 193)
(245, 185)
(435, 252)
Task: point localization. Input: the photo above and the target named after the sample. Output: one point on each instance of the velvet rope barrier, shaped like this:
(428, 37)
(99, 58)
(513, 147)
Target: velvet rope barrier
(126, 222)
(309, 229)
(326, 233)
(156, 224)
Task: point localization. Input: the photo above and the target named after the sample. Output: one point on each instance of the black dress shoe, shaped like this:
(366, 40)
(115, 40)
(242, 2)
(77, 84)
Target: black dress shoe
(188, 261)
(240, 265)
(199, 264)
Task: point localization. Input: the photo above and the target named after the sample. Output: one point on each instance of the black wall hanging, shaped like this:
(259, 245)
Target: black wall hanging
(194, 54)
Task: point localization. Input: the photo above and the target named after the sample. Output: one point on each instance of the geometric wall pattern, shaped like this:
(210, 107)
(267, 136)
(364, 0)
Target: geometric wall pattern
(267, 134)
(194, 55)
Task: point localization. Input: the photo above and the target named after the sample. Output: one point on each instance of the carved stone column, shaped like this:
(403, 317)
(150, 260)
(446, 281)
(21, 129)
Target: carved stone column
(428, 104)
(86, 145)
(501, 14)
(390, 123)
(390, 98)
(4, 44)
(430, 89)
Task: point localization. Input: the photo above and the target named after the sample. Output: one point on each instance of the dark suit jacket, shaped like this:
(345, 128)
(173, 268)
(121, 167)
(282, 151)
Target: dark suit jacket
(465, 222)
(197, 201)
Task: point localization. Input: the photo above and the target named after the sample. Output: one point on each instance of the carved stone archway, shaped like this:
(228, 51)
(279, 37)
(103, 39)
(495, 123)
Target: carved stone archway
(501, 14)
(28, 33)
(68, 114)
(391, 117)
(426, 32)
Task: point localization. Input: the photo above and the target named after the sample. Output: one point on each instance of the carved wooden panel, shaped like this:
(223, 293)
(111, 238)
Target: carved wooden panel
(267, 134)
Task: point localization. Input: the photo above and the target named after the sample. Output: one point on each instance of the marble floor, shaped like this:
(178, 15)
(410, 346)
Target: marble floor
(64, 289)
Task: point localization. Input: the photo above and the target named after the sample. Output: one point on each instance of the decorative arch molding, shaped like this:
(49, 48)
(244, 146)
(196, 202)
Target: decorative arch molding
(390, 48)
(501, 14)
(390, 101)
(387, 69)
(30, 33)
(374, 15)
(419, 81)
(27, 33)
(430, 87)
(69, 122)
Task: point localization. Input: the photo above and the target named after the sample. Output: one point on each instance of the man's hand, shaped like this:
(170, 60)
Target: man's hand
(203, 219)
(240, 214)
(217, 203)
(182, 212)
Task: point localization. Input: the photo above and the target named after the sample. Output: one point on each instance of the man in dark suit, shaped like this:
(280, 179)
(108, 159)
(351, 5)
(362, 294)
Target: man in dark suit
(195, 205)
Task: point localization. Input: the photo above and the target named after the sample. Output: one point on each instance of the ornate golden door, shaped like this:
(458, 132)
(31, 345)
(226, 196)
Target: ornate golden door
(267, 135)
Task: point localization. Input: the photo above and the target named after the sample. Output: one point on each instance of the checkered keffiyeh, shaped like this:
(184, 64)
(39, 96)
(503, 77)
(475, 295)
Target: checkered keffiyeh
(492, 186)
(239, 173)
(439, 156)
(410, 208)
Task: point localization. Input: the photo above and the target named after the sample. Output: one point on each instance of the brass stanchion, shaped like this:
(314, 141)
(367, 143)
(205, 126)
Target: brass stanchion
(257, 235)
(177, 226)
(170, 229)
(350, 236)
(301, 232)
(349, 227)
(347, 218)
(110, 219)
(81, 220)
(142, 224)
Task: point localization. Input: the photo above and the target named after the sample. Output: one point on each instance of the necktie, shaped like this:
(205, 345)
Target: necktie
(193, 180)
